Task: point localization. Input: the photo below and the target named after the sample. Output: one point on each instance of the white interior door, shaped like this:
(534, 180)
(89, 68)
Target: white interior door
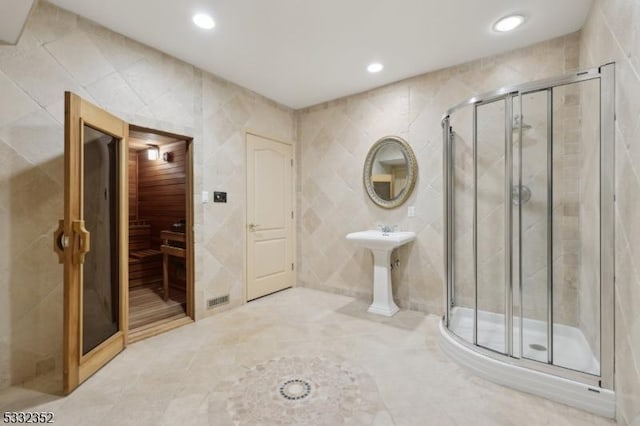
(269, 216)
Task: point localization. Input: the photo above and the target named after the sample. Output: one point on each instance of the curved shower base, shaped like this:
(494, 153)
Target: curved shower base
(592, 399)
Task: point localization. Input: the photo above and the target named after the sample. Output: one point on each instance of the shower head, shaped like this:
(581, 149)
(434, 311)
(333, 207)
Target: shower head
(517, 122)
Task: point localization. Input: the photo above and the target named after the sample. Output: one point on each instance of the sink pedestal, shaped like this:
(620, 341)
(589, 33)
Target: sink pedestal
(381, 245)
(383, 303)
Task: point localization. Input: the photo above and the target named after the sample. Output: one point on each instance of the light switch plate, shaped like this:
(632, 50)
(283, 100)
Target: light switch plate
(411, 211)
(205, 197)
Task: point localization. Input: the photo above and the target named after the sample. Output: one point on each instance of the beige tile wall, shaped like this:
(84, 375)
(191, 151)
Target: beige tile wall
(60, 51)
(334, 139)
(612, 33)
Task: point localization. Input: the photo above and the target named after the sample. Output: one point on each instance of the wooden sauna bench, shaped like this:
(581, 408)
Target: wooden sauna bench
(145, 263)
(173, 244)
(148, 304)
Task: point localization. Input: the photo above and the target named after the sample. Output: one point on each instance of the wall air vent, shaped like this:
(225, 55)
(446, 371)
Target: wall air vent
(216, 301)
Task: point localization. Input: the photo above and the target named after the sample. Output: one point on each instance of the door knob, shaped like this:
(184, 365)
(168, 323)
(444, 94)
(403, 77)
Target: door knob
(60, 241)
(252, 227)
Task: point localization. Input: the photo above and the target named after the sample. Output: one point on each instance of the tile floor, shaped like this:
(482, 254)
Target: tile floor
(336, 364)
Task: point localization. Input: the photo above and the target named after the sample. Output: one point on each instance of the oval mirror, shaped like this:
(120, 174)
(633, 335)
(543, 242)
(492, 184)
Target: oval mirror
(390, 172)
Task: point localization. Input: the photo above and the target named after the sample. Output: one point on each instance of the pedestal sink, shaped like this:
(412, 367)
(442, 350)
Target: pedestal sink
(382, 244)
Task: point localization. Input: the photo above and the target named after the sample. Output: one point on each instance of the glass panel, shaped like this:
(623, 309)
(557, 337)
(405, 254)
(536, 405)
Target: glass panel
(461, 313)
(576, 225)
(101, 289)
(491, 224)
(515, 225)
(533, 201)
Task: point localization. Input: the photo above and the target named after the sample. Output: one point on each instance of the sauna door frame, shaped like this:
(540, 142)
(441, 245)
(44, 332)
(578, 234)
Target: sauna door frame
(189, 234)
(72, 240)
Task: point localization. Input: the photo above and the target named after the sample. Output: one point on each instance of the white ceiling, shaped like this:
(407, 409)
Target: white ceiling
(301, 53)
(13, 14)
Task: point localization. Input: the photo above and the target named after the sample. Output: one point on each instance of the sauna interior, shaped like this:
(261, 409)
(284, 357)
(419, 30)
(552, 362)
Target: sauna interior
(157, 241)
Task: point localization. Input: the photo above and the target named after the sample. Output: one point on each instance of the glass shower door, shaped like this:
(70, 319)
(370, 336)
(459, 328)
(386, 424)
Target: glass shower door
(459, 132)
(531, 200)
(576, 223)
(492, 218)
(558, 205)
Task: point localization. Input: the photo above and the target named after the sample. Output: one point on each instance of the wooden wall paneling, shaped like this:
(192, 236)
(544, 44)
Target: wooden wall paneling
(164, 195)
(162, 190)
(133, 184)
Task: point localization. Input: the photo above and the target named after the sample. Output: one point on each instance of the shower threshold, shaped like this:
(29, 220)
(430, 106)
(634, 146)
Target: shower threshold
(570, 347)
(501, 370)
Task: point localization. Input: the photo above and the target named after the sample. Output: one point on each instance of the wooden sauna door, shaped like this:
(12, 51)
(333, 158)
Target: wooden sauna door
(92, 239)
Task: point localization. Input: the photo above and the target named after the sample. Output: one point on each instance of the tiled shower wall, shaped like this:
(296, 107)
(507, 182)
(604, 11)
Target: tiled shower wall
(60, 51)
(334, 139)
(612, 33)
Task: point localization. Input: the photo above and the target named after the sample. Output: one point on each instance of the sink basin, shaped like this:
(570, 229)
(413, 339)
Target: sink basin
(381, 245)
(378, 240)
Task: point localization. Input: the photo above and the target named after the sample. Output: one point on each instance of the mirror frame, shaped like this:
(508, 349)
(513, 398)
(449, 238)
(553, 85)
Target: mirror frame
(412, 171)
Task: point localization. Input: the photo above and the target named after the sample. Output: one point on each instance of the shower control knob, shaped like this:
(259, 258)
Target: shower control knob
(520, 194)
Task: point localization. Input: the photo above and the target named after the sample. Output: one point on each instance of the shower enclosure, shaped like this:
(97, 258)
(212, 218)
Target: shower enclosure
(529, 193)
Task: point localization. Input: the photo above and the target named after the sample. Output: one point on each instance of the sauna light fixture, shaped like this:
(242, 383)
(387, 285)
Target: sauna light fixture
(167, 157)
(508, 23)
(153, 152)
(203, 21)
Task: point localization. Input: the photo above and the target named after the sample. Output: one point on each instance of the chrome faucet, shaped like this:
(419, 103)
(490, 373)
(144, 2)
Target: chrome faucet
(387, 229)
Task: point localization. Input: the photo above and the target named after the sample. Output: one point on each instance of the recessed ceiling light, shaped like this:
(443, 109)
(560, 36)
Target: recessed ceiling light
(203, 21)
(375, 67)
(508, 23)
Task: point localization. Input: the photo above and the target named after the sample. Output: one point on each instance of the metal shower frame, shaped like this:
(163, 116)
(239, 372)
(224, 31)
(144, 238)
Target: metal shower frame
(606, 76)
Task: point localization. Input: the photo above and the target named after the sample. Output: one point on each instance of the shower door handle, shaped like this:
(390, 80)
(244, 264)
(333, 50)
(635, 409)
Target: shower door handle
(81, 241)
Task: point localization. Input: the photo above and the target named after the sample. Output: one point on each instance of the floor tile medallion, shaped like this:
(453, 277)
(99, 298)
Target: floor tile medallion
(297, 390)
